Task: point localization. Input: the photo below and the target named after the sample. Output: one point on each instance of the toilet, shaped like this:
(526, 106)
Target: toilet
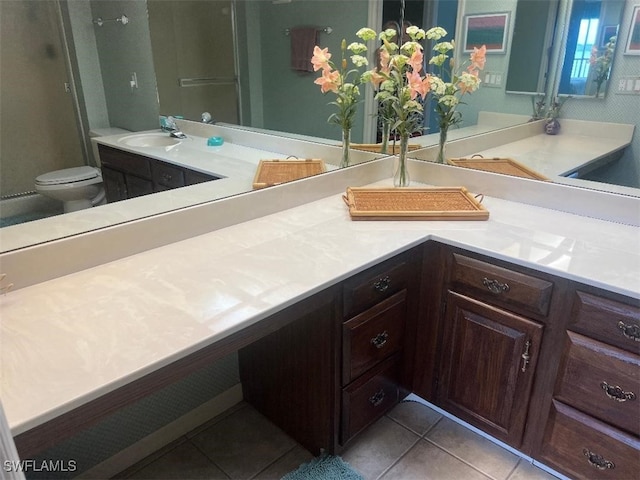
(77, 188)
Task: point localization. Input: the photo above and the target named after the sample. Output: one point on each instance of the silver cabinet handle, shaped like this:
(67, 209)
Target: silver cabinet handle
(630, 331)
(494, 286)
(616, 393)
(380, 339)
(598, 461)
(383, 284)
(377, 398)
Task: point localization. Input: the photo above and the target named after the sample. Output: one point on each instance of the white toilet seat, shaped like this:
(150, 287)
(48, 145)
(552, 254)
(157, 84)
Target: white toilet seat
(75, 176)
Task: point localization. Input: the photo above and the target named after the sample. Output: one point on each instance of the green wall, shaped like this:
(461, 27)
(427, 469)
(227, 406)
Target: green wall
(291, 101)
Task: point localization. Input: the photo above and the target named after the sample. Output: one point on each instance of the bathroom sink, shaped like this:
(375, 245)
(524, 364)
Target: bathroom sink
(150, 140)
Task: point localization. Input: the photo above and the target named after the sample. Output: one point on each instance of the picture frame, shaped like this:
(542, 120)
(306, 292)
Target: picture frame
(632, 46)
(489, 29)
(608, 31)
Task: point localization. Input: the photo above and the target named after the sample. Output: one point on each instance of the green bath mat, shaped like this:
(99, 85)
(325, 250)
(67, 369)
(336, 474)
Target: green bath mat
(324, 467)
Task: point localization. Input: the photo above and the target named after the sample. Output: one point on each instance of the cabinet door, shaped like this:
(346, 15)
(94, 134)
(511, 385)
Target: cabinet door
(136, 186)
(488, 366)
(114, 185)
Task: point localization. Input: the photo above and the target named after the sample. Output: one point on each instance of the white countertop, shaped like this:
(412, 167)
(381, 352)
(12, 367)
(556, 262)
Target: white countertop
(72, 339)
(578, 145)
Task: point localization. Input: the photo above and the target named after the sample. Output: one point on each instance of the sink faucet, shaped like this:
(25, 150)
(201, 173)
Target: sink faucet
(171, 127)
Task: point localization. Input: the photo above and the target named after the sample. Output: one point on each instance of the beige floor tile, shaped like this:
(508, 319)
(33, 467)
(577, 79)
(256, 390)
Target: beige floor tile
(474, 449)
(184, 461)
(415, 416)
(379, 447)
(528, 471)
(425, 461)
(288, 463)
(244, 443)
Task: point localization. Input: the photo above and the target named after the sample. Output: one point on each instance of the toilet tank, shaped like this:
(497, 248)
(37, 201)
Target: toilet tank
(103, 132)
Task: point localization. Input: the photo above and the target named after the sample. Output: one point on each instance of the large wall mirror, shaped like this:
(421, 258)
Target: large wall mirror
(591, 42)
(228, 57)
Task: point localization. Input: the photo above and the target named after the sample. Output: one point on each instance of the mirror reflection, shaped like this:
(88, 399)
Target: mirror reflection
(590, 48)
(66, 78)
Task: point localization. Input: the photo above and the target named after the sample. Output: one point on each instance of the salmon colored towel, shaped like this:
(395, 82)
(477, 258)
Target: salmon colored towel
(303, 39)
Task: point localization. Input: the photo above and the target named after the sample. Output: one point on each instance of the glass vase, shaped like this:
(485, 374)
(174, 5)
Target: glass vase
(442, 144)
(401, 175)
(346, 145)
(386, 133)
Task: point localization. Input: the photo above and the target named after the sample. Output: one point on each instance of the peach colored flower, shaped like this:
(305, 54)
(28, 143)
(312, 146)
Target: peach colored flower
(320, 59)
(418, 85)
(416, 60)
(329, 81)
(376, 79)
(478, 56)
(385, 58)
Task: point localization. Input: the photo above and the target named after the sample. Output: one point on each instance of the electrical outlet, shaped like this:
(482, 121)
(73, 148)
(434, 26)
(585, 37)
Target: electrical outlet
(629, 85)
(492, 79)
(133, 83)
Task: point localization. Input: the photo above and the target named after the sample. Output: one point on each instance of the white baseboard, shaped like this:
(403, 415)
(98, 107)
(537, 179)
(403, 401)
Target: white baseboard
(165, 435)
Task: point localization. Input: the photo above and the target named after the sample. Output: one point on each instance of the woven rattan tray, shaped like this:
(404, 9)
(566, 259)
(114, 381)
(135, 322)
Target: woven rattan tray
(506, 166)
(392, 149)
(436, 203)
(274, 172)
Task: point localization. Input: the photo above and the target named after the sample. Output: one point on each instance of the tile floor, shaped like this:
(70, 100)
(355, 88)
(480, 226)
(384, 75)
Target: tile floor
(412, 441)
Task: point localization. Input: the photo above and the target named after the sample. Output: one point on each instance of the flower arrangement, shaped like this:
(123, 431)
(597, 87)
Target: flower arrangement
(344, 81)
(402, 81)
(452, 81)
(602, 63)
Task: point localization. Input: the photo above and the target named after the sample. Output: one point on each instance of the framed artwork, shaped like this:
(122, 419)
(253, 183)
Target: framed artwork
(488, 29)
(633, 38)
(608, 31)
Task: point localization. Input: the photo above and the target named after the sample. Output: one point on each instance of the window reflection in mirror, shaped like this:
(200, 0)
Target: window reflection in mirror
(590, 48)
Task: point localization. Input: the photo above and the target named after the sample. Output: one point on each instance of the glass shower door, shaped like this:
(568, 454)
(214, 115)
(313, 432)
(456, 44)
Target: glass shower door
(38, 124)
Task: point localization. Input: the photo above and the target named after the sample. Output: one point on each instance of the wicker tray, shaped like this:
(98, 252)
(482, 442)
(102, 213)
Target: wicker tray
(436, 203)
(506, 166)
(274, 172)
(392, 149)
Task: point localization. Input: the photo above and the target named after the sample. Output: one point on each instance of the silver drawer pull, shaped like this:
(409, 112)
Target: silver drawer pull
(630, 331)
(598, 461)
(166, 177)
(380, 339)
(377, 398)
(383, 284)
(494, 286)
(526, 356)
(616, 393)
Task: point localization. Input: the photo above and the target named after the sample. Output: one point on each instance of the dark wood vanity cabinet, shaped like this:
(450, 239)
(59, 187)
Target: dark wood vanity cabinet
(544, 364)
(593, 429)
(489, 347)
(335, 370)
(128, 175)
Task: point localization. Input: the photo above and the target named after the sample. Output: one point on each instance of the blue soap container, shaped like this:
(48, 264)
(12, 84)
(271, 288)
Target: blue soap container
(215, 141)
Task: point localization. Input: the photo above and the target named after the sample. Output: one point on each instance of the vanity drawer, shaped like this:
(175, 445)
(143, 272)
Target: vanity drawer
(501, 286)
(167, 175)
(581, 447)
(373, 336)
(602, 381)
(374, 285)
(125, 161)
(370, 397)
(607, 320)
